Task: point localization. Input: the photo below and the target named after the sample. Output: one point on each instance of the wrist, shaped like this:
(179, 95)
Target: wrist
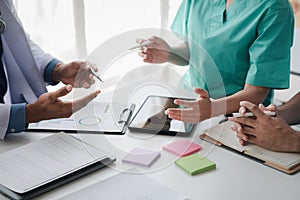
(32, 115)
(56, 73)
(218, 107)
(296, 139)
(178, 56)
(291, 141)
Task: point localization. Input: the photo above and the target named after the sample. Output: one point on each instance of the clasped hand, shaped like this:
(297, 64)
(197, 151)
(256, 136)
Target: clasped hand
(269, 132)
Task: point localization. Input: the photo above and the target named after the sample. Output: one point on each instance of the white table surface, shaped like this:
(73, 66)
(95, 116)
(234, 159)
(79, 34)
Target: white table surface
(236, 177)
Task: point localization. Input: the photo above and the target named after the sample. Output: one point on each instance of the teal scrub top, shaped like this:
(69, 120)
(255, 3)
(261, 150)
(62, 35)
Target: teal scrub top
(247, 43)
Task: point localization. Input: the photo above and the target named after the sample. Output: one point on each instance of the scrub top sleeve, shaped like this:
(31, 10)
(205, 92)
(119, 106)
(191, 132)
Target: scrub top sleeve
(17, 118)
(179, 25)
(270, 52)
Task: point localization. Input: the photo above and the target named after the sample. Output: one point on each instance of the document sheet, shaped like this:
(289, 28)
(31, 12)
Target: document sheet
(46, 160)
(96, 116)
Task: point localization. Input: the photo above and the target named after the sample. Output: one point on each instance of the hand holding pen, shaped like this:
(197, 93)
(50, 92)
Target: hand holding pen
(92, 70)
(142, 43)
(96, 75)
(153, 50)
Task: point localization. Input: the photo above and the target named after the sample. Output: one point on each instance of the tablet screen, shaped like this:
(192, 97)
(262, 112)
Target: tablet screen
(151, 118)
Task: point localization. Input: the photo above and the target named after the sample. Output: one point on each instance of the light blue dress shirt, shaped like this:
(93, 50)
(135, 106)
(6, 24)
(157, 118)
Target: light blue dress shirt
(17, 119)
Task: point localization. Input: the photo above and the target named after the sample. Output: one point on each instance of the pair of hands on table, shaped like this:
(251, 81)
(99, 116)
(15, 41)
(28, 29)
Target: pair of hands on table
(269, 132)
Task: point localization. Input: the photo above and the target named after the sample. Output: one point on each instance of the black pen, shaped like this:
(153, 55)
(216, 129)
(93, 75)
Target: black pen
(96, 75)
(147, 42)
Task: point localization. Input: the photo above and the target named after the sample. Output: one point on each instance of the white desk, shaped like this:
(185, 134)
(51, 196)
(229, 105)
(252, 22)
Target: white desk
(236, 177)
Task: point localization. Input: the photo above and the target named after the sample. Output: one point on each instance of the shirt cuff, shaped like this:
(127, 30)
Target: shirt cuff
(48, 72)
(17, 118)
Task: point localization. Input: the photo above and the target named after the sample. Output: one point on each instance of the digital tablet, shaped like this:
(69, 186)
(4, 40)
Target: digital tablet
(150, 118)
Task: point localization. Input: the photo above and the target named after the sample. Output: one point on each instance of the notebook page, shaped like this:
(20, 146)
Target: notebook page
(43, 161)
(225, 135)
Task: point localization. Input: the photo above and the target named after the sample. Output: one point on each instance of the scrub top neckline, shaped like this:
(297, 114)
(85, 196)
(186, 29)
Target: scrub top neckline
(234, 10)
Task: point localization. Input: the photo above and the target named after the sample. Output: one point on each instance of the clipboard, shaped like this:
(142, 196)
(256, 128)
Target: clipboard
(38, 174)
(96, 117)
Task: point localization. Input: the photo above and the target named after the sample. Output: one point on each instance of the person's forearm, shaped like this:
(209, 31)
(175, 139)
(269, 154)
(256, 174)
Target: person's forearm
(180, 55)
(231, 103)
(290, 110)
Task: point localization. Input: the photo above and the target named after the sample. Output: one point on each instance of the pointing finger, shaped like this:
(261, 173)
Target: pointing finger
(80, 103)
(185, 103)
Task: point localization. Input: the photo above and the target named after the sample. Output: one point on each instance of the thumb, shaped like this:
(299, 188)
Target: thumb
(53, 96)
(201, 92)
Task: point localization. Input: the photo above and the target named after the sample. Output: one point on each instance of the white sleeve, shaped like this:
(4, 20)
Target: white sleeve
(4, 116)
(41, 58)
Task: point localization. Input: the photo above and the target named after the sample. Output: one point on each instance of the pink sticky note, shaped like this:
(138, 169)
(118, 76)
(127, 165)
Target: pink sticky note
(182, 147)
(142, 157)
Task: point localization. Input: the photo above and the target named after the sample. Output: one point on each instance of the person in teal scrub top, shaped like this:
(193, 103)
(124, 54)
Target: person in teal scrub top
(249, 43)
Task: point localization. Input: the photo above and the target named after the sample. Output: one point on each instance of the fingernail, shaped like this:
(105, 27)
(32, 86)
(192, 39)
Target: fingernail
(85, 85)
(240, 129)
(69, 88)
(97, 93)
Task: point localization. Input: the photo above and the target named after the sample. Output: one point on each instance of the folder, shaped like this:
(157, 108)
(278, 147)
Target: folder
(222, 135)
(40, 166)
(96, 117)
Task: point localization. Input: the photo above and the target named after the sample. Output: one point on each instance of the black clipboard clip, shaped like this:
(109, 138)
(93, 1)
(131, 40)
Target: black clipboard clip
(126, 114)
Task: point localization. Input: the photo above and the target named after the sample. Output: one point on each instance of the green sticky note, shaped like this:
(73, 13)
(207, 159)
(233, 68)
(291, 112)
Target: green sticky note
(195, 164)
